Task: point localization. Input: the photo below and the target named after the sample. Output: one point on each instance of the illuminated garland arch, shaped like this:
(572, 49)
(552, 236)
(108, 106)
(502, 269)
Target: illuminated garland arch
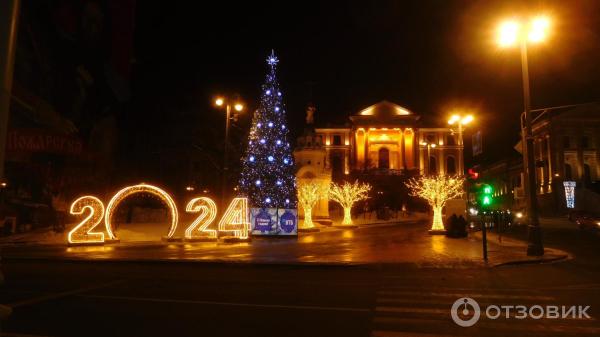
(141, 188)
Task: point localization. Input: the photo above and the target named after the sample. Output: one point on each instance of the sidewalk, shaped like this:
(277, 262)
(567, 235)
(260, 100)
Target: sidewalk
(503, 250)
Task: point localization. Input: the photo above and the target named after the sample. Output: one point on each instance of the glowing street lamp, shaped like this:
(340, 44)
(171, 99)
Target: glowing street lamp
(511, 33)
(220, 102)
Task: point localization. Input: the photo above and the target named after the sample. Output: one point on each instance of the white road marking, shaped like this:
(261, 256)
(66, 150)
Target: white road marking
(232, 304)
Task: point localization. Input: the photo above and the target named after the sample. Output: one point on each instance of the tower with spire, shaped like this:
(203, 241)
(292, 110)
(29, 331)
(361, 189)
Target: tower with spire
(311, 159)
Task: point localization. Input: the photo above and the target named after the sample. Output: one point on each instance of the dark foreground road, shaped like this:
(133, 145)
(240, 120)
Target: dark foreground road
(183, 296)
(162, 299)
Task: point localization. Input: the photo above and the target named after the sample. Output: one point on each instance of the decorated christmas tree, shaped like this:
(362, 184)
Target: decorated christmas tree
(268, 178)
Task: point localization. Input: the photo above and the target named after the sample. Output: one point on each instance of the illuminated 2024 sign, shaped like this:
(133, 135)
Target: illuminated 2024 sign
(235, 221)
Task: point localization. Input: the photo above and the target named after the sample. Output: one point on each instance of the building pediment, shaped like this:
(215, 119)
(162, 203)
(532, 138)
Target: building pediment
(384, 112)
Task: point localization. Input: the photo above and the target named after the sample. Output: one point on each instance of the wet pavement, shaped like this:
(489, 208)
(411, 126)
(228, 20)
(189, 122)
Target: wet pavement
(405, 242)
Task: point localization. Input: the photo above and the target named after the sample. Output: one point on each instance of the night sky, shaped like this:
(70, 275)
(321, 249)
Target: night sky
(429, 56)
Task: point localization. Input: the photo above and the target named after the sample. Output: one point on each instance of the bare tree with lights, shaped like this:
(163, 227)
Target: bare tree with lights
(309, 193)
(348, 194)
(436, 190)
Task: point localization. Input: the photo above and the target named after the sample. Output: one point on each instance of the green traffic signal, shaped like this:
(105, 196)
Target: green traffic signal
(487, 200)
(487, 189)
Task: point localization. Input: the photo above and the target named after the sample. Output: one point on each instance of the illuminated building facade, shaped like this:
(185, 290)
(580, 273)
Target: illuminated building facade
(566, 150)
(386, 138)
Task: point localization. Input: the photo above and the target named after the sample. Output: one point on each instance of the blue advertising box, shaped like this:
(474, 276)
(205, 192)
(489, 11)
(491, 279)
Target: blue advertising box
(274, 221)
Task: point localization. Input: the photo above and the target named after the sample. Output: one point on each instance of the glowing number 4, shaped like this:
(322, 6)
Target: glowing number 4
(82, 233)
(235, 219)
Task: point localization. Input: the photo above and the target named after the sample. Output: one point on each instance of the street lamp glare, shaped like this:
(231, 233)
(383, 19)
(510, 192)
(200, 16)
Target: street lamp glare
(539, 29)
(508, 33)
(467, 119)
(219, 101)
(238, 107)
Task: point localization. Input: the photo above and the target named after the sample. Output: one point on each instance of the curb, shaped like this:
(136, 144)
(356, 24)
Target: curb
(537, 261)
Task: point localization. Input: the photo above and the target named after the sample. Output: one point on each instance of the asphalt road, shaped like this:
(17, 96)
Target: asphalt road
(101, 298)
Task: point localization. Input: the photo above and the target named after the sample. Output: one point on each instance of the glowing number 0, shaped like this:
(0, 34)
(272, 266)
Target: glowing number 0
(141, 188)
(235, 219)
(82, 233)
(208, 212)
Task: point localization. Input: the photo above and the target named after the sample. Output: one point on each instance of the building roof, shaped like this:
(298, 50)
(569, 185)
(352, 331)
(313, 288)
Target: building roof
(384, 112)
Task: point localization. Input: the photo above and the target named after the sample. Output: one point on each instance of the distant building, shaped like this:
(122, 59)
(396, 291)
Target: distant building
(566, 149)
(389, 139)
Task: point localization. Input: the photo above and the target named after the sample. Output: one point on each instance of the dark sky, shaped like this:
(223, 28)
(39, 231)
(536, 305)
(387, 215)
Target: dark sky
(429, 56)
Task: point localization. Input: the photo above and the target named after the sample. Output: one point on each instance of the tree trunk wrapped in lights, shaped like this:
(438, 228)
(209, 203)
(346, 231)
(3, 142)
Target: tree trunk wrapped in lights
(348, 194)
(309, 193)
(436, 190)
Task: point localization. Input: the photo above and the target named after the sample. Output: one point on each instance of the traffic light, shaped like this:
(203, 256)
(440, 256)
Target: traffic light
(486, 195)
(473, 175)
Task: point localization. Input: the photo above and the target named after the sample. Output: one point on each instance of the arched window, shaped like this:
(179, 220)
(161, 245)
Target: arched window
(432, 165)
(568, 172)
(384, 158)
(451, 165)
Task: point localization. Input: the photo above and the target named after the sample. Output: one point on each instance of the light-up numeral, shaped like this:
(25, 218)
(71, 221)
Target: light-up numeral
(141, 188)
(82, 233)
(208, 212)
(236, 219)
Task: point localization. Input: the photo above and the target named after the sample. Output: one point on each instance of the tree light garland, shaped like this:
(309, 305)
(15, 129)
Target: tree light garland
(309, 193)
(82, 233)
(265, 152)
(346, 195)
(141, 188)
(436, 190)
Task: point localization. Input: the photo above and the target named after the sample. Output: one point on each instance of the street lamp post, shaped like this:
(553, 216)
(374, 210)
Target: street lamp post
(220, 102)
(511, 33)
(460, 121)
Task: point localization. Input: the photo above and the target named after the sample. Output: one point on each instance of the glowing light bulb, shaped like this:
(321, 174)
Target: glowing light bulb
(270, 158)
(508, 33)
(270, 124)
(268, 92)
(278, 142)
(258, 125)
(238, 107)
(257, 182)
(262, 141)
(251, 158)
(268, 200)
(219, 101)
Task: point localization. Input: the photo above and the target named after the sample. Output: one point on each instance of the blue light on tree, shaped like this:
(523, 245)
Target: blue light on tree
(262, 162)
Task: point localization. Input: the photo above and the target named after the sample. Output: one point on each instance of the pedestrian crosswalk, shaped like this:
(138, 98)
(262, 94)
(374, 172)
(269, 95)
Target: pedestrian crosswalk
(409, 311)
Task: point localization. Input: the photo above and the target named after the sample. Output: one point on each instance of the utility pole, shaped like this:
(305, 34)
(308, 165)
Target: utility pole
(535, 246)
(9, 15)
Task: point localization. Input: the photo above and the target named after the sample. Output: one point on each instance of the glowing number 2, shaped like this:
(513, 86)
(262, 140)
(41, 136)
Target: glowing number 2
(208, 212)
(82, 233)
(236, 219)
